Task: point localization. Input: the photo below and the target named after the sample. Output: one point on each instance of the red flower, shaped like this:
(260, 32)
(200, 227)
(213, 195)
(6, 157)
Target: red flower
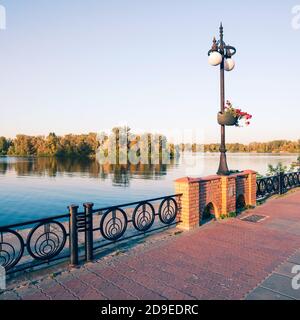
(241, 115)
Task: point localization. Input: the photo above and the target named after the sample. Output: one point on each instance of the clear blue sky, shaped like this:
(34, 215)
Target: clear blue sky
(75, 66)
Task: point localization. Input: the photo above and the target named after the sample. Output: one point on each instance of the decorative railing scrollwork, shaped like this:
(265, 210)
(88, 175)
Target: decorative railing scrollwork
(113, 224)
(34, 243)
(143, 216)
(168, 210)
(11, 248)
(133, 219)
(46, 240)
(277, 184)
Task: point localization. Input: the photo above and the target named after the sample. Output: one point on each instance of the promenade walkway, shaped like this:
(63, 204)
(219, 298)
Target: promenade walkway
(229, 259)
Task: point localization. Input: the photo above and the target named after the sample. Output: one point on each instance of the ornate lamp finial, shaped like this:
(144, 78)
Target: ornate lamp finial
(214, 46)
(221, 38)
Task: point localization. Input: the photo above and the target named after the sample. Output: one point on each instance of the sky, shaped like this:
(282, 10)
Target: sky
(79, 66)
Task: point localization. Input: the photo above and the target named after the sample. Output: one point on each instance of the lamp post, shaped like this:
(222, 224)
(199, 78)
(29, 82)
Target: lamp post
(221, 54)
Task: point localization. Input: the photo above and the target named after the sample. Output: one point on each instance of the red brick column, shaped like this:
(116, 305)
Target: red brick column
(189, 214)
(228, 187)
(251, 188)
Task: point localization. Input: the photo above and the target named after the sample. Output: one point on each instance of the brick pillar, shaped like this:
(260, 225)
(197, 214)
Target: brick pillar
(189, 214)
(251, 188)
(228, 189)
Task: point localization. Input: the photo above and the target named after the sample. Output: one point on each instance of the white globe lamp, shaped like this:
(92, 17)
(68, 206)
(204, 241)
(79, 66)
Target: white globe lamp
(229, 64)
(215, 58)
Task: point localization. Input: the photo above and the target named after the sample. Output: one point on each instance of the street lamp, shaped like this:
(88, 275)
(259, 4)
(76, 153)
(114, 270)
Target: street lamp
(221, 54)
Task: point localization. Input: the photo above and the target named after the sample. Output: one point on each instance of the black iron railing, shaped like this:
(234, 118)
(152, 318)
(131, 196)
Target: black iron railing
(37, 242)
(277, 184)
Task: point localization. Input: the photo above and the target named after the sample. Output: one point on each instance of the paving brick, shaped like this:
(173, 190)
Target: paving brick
(286, 269)
(54, 290)
(31, 293)
(282, 285)
(9, 295)
(132, 287)
(295, 258)
(222, 260)
(106, 287)
(153, 283)
(265, 294)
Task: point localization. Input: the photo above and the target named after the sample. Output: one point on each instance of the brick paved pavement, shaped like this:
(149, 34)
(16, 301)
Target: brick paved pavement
(231, 259)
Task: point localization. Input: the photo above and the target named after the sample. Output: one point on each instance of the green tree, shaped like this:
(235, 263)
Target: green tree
(279, 168)
(22, 146)
(4, 146)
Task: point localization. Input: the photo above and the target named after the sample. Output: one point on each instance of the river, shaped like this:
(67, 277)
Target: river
(35, 188)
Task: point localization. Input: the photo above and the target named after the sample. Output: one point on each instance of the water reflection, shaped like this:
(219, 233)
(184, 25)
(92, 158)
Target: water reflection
(33, 188)
(54, 167)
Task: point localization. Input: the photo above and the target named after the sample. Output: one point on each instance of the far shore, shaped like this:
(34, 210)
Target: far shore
(92, 157)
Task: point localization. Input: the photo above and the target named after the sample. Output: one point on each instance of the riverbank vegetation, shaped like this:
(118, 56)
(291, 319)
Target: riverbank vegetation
(120, 143)
(50, 146)
(280, 168)
(276, 146)
(86, 145)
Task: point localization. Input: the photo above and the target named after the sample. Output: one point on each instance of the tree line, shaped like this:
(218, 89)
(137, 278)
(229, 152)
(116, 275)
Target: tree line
(121, 142)
(86, 145)
(70, 145)
(276, 146)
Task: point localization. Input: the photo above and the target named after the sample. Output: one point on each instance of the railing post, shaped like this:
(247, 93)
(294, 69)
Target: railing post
(281, 183)
(73, 231)
(88, 207)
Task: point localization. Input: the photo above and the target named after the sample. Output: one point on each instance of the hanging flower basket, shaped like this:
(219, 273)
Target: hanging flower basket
(227, 119)
(233, 117)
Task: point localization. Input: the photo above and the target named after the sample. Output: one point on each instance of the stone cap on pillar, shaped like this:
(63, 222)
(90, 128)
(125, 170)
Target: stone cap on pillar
(194, 180)
(184, 179)
(213, 177)
(243, 173)
(249, 171)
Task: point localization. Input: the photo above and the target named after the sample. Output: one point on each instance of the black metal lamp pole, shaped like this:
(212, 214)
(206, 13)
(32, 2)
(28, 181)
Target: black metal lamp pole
(223, 167)
(226, 52)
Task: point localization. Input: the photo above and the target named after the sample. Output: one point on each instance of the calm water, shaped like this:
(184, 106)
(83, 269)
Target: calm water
(36, 188)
